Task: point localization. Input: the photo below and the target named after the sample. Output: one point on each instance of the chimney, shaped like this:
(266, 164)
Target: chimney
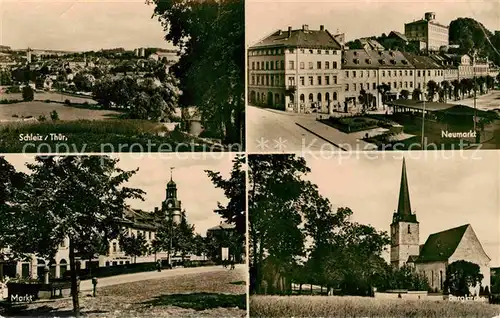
(305, 27)
(289, 31)
(322, 28)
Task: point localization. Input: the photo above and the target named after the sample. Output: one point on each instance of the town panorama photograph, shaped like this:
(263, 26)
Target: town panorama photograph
(122, 236)
(386, 235)
(357, 75)
(121, 76)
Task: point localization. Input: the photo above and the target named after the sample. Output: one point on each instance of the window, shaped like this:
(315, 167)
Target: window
(354, 86)
(383, 73)
(400, 73)
(258, 65)
(267, 65)
(400, 84)
(277, 65)
(347, 74)
(395, 73)
(302, 81)
(334, 65)
(389, 73)
(334, 78)
(271, 64)
(253, 65)
(114, 247)
(360, 73)
(327, 65)
(353, 73)
(311, 80)
(258, 80)
(291, 81)
(418, 73)
(319, 80)
(302, 66)
(395, 85)
(310, 65)
(267, 80)
(282, 65)
(319, 65)
(411, 73)
(319, 51)
(429, 73)
(253, 79)
(409, 230)
(374, 86)
(375, 73)
(346, 87)
(291, 65)
(406, 84)
(327, 80)
(406, 72)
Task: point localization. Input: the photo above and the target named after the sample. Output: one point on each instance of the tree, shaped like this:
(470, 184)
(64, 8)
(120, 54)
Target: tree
(456, 88)
(460, 276)
(199, 245)
(166, 234)
(82, 82)
(95, 186)
(415, 95)
(133, 245)
(274, 204)
(14, 189)
(28, 93)
(185, 238)
(447, 90)
(212, 60)
(5, 78)
(235, 190)
(432, 88)
(405, 94)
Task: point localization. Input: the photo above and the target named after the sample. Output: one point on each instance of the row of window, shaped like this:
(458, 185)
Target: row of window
(274, 80)
(280, 65)
(290, 50)
(366, 86)
(394, 73)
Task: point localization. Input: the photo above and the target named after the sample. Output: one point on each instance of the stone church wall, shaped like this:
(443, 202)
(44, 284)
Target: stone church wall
(435, 273)
(470, 250)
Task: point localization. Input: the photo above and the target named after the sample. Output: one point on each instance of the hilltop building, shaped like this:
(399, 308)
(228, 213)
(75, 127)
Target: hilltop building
(440, 249)
(427, 30)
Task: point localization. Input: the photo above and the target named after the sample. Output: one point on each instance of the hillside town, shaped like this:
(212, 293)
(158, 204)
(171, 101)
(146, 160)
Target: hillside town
(315, 71)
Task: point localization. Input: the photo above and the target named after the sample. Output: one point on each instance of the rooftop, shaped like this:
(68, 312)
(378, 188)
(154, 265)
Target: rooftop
(441, 246)
(363, 59)
(300, 38)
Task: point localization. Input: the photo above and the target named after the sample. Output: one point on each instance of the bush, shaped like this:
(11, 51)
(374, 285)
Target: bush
(28, 94)
(47, 101)
(54, 115)
(13, 90)
(42, 118)
(67, 102)
(9, 101)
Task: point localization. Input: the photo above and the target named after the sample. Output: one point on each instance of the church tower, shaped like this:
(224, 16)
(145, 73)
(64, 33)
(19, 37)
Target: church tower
(172, 206)
(404, 227)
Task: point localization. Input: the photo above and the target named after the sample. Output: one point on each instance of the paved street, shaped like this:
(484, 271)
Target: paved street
(278, 131)
(86, 285)
(489, 101)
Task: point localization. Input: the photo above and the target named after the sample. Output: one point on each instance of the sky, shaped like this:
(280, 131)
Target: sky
(195, 190)
(447, 190)
(360, 18)
(79, 25)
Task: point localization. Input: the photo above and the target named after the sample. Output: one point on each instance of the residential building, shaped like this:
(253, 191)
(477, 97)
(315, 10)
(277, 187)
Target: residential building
(427, 30)
(426, 70)
(296, 70)
(368, 69)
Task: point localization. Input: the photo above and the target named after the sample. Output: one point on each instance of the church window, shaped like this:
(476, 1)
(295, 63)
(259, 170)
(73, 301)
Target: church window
(409, 232)
(432, 278)
(441, 279)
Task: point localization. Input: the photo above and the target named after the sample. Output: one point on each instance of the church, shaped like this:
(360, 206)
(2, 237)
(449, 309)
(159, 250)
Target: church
(440, 249)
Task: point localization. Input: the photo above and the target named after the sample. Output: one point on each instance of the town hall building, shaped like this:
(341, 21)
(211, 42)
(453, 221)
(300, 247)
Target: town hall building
(440, 249)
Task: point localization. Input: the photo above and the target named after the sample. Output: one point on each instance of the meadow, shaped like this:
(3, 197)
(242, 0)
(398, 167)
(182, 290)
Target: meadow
(351, 306)
(98, 136)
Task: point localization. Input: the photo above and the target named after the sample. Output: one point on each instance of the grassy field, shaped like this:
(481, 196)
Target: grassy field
(52, 96)
(212, 294)
(37, 108)
(97, 136)
(350, 306)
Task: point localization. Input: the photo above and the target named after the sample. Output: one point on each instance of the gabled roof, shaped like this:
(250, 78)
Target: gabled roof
(441, 246)
(299, 38)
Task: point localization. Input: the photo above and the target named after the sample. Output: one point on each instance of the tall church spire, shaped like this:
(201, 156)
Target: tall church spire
(404, 207)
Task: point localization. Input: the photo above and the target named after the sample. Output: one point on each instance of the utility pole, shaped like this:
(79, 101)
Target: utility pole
(423, 113)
